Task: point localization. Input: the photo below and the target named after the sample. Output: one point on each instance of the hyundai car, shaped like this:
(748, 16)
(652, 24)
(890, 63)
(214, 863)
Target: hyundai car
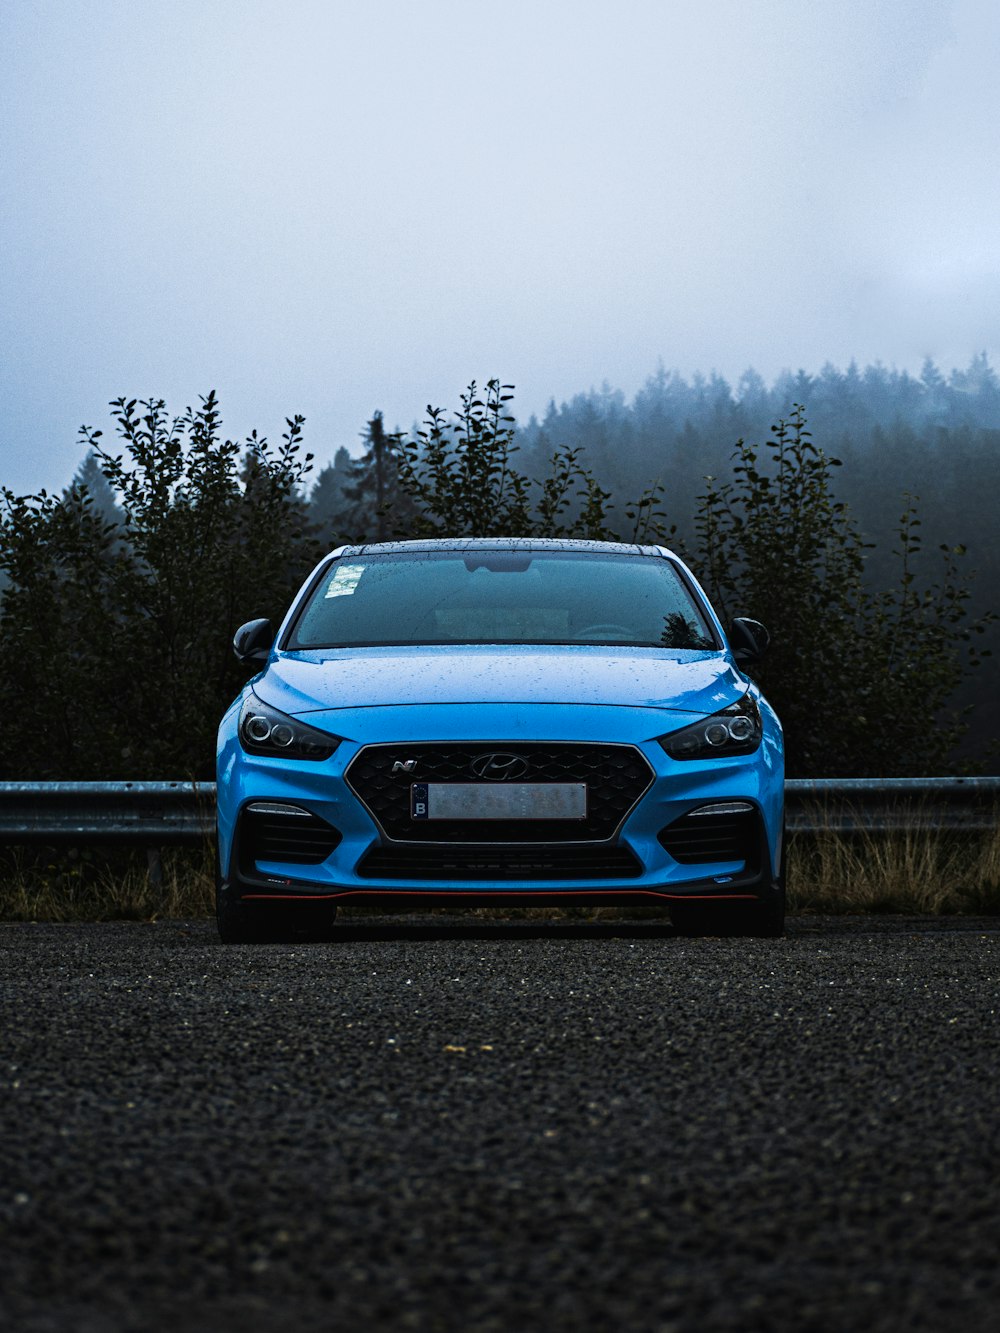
(497, 721)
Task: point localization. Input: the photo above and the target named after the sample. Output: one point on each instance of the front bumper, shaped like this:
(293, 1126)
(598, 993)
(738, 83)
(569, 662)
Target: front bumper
(653, 874)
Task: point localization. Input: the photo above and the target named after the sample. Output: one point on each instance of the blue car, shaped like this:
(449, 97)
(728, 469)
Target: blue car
(499, 721)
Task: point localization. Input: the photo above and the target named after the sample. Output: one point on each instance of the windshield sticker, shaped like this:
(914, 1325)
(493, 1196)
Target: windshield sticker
(345, 581)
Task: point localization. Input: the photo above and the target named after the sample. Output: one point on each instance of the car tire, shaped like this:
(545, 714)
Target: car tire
(270, 923)
(279, 923)
(764, 919)
(237, 924)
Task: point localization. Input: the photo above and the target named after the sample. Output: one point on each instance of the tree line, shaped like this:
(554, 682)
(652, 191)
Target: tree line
(120, 595)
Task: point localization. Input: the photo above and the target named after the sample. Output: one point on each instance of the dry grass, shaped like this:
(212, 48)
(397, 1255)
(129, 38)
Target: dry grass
(923, 871)
(115, 887)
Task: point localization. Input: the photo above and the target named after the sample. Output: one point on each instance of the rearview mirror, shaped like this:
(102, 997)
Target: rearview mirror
(748, 639)
(253, 641)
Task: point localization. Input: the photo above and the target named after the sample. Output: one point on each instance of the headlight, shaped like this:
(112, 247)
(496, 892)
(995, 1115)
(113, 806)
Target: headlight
(734, 730)
(263, 730)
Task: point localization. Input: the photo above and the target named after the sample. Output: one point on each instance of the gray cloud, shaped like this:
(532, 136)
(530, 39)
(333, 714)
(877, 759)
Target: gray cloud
(332, 208)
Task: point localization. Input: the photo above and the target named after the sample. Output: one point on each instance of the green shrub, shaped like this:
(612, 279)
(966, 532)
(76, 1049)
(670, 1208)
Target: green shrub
(115, 657)
(462, 482)
(861, 680)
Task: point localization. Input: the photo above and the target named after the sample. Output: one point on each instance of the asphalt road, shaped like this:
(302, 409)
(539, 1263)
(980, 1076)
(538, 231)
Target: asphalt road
(500, 1126)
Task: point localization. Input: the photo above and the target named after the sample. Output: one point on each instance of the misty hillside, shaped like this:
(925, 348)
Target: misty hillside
(934, 438)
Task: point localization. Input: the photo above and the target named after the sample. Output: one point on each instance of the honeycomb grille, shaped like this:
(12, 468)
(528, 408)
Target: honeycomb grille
(499, 863)
(616, 776)
(295, 839)
(697, 839)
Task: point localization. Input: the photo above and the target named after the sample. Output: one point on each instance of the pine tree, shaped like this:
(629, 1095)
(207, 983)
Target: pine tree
(378, 507)
(328, 503)
(90, 478)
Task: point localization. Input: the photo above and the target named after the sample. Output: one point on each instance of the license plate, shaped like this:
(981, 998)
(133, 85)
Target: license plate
(508, 800)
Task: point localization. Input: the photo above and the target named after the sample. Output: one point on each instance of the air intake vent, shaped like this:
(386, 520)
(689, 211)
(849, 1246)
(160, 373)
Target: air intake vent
(499, 863)
(726, 833)
(273, 832)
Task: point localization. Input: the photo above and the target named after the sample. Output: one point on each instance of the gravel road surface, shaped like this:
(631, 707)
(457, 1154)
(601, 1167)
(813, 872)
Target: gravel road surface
(460, 1125)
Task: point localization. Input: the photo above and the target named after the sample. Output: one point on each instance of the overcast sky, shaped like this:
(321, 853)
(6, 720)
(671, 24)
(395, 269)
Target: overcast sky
(328, 207)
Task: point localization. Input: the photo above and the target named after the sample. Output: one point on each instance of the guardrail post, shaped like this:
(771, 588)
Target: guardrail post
(154, 867)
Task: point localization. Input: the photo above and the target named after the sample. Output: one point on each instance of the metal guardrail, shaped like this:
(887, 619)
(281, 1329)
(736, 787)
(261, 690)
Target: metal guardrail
(884, 805)
(154, 813)
(164, 813)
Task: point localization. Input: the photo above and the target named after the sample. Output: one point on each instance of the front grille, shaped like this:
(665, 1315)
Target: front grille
(513, 863)
(700, 839)
(616, 776)
(294, 838)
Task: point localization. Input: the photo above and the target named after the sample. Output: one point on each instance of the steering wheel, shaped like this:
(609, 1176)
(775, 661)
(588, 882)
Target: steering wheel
(605, 631)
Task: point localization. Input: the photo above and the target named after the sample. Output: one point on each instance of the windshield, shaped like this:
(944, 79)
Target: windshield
(489, 596)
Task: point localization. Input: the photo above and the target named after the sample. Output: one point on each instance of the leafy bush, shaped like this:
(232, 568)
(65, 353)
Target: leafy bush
(861, 680)
(115, 657)
(462, 482)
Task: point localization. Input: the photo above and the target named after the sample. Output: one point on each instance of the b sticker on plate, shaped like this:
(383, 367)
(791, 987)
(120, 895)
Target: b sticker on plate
(345, 580)
(418, 801)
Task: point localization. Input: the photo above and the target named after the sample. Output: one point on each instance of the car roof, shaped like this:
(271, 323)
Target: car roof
(431, 544)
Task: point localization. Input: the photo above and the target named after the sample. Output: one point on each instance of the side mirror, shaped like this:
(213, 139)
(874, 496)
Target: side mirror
(748, 639)
(252, 642)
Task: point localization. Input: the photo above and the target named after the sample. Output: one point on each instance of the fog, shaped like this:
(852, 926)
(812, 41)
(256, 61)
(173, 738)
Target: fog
(332, 208)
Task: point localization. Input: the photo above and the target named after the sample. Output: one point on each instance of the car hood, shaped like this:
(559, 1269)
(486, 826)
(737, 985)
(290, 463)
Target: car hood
(677, 679)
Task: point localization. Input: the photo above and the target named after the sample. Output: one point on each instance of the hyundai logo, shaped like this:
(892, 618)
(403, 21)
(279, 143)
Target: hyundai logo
(499, 767)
